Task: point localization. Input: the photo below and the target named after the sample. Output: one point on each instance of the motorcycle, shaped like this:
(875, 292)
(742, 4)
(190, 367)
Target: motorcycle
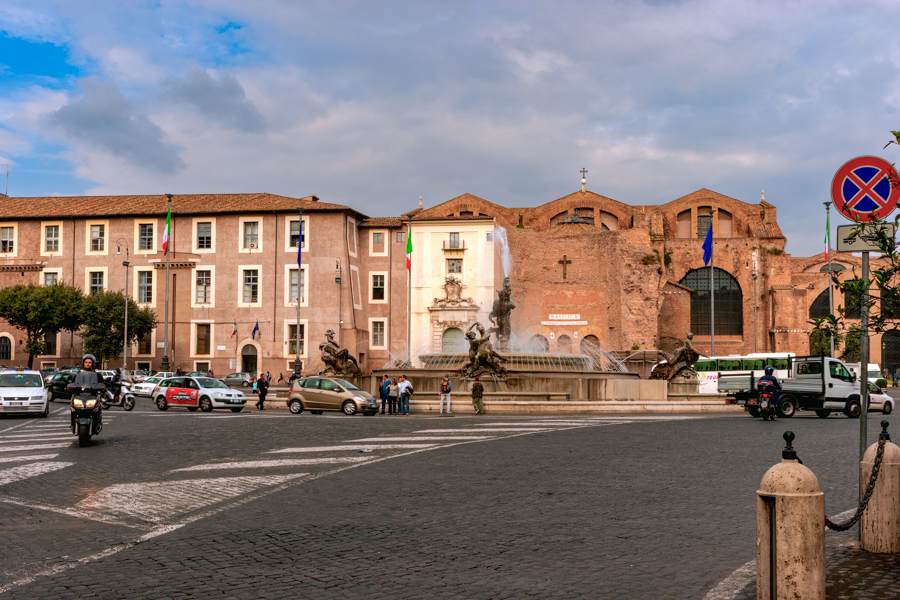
(765, 392)
(85, 408)
(118, 393)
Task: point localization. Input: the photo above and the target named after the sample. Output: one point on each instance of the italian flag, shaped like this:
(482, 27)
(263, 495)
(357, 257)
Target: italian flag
(409, 250)
(234, 330)
(827, 234)
(166, 232)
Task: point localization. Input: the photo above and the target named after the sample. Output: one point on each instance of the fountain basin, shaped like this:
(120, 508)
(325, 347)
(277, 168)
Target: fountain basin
(515, 361)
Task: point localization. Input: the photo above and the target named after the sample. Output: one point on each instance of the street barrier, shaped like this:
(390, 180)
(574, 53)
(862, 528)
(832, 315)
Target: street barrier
(879, 527)
(790, 538)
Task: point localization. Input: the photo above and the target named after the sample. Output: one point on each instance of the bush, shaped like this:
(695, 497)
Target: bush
(882, 383)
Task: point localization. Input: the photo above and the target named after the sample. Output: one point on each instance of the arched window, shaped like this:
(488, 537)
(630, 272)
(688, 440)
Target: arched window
(538, 344)
(819, 308)
(890, 352)
(684, 224)
(5, 348)
(726, 224)
(853, 305)
(564, 344)
(729, 302)
(453, 341)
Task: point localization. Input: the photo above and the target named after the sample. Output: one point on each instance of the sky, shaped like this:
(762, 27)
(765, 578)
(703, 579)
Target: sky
(376, 103)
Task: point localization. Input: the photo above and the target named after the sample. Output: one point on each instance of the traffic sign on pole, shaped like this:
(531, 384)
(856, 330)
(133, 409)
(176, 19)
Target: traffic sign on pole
(851, 239)
(863, 189)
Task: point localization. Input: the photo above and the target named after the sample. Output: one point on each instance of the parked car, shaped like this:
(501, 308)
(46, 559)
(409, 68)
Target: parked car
(47, 374)
(241, 379)
(198, 374)
(146, 386)
(192, 393)
(23, 391)
(106, 374)
(56, 390)
(879, 401)
(139, 375)
(317, 394)
(164, 374)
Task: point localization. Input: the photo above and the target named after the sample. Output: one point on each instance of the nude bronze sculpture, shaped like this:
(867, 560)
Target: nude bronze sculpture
(338, 361)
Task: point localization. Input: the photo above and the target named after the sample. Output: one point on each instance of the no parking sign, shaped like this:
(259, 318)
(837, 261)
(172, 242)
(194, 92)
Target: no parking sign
(862, 189)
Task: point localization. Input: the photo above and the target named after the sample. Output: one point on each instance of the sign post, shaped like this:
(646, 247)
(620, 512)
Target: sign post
(862, 191)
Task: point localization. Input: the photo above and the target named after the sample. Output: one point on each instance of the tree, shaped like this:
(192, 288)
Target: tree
(40, 311)
(852, 341)
(103, 316)
(820, 342)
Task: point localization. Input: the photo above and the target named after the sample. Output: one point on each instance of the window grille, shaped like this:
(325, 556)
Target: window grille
(204, 236)
(145, 236)
(145, 287)
(729, 302)
(251, 285)
(204, 287)
(51, 238)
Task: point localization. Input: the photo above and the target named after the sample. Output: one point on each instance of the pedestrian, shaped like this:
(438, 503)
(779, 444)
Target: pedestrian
(445, 393)
(383, 389)
(406, 390)
(211, 373)
(478, 397)
(281, 378)
(393, 392)
(895, 378)
(262, 389)
(268, 377)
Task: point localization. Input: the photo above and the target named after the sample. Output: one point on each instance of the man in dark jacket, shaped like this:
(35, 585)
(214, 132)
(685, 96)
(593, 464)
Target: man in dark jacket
(478, 397)
(383, 389)
(262, 388)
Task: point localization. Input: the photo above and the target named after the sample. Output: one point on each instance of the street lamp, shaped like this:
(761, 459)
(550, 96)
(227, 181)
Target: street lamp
(337, 280)
(298, 366)
(119, 243)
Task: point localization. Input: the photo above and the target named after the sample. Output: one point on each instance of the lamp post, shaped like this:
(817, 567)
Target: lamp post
(119, 243)
(298, 367)
(165, 360)
(828, 252)
(337, 280)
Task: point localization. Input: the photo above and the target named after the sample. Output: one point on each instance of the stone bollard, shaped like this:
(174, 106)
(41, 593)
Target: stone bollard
(790, 532)
(879, 527)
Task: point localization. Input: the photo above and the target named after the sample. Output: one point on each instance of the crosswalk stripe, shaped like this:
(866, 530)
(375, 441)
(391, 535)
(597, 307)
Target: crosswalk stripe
(33, 434)
(288, 462)
(422, 438)
(8, 459)
(483, 429)
(25, 471)
(356, 447)
(34, 447)
(38, 438)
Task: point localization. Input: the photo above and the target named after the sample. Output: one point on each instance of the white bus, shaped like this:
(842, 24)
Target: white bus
(708, 369)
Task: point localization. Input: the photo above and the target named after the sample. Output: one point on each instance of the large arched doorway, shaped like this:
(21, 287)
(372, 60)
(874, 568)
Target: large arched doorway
(248, 359)
(729, 301)
(820, 308)
(453, 341)
(890, 352)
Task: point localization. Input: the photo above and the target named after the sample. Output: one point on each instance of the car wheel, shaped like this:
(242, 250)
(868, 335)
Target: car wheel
(888, 407)
(296, 407)
(787, 407)
(754, 412)
(315, 412)
(192, 408)
(245, 384)
(46, 411)
(206, 404)
(49, 396)
(161, 403)
(349, 408)
(823, 414)
(853, 409)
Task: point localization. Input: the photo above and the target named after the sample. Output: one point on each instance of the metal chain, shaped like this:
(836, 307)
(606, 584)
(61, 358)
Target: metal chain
(869, 489)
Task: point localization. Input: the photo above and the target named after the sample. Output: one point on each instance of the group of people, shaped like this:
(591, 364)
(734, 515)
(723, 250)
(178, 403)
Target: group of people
(397, 390)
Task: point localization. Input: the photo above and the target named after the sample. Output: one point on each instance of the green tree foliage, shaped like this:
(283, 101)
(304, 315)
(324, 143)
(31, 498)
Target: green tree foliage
(103, 316)
(40, 311)
(820, 342)
(851, 345)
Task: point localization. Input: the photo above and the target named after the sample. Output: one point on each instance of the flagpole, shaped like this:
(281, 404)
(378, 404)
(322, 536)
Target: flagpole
(165, 361)
(828, 254)
(409, 292)
(712, 286)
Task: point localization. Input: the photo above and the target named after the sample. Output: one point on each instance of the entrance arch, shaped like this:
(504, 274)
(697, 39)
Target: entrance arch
(453, 341)
(248, 359)
(729, 302)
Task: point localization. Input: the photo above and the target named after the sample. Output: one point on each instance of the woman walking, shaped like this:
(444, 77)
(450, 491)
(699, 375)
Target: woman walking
(262, 388)
(393, 392)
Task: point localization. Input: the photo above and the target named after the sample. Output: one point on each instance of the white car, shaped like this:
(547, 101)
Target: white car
(145, 387)
(879, 401)
(23, 391)
(192, 393)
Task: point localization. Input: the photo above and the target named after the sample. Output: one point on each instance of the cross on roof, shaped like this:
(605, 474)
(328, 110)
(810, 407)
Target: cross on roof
(583, 178)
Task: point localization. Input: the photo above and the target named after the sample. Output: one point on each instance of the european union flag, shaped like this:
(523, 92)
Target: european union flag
(255, 329)
(707, 246)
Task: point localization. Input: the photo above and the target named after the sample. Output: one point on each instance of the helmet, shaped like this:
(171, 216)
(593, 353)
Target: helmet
(769, 369)
(89, 356)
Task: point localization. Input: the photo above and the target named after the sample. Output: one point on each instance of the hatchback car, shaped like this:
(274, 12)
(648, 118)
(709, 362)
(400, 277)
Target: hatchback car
(192, 393)
(317, 394)
(241, 379)
(56, 389)
(146, 386)
(22, 391)
(879, 401)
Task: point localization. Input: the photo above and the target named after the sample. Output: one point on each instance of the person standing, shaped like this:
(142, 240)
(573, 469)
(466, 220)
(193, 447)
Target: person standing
(268, 377)
(895, 378)
(406, 390)
(281, 378)
(393, 393)
(262, 388)
(445, 393)
(478, 397)
(383, 389)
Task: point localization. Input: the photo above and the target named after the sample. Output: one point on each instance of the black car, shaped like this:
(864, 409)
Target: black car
(56, 389)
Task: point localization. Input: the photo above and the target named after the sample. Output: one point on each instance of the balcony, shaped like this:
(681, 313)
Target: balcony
(454, 245)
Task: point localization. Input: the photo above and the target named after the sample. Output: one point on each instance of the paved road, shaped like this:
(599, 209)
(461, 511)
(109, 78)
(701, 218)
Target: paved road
(188, 505)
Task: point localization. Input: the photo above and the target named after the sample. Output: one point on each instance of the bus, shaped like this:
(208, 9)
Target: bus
(708, 368)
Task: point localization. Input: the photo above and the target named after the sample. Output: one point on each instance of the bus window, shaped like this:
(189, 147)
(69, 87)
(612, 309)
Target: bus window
(780, 364)
(754, 364)
(705, 366)
(729, 365)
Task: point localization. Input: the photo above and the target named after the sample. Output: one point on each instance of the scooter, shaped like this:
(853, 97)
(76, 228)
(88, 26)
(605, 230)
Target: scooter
(118, 393)
(766, 394)
(86, 411)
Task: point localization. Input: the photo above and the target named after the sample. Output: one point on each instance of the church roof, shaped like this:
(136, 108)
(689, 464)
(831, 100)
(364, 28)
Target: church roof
(758, 229)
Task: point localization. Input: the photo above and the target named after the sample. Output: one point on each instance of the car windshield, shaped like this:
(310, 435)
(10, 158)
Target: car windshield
(17, 380)
(209, 382)
(347, 385)
(153, 380)
(874, 374)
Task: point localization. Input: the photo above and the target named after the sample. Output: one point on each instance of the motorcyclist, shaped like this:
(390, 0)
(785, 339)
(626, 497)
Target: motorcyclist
(87, 379)
(770, 377)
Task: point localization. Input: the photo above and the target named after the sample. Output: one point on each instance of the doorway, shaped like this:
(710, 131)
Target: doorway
(248, 359)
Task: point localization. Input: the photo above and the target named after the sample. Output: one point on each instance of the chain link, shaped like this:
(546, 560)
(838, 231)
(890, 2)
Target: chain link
(868, 494)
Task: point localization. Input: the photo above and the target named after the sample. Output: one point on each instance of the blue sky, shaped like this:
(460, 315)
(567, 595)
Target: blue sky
(374, 104)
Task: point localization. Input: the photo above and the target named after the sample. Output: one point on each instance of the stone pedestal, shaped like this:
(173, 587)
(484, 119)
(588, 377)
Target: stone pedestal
(683, 387)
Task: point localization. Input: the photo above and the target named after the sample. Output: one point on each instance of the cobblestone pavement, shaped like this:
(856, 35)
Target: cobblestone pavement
(190, 505)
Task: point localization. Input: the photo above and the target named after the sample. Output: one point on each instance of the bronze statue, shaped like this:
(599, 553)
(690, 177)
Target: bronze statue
(338, 361)
(500, 315)
(680, 365)
(482, 357)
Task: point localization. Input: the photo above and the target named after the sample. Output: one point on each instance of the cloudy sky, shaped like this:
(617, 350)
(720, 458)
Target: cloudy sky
(375, 103)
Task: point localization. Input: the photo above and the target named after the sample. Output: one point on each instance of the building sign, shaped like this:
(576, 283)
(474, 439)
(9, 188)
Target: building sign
(563, 317)
(564, 320)
(564, 323)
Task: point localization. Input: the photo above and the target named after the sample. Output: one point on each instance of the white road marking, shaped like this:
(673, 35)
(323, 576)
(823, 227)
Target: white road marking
(356, 447)
(286, 462)
(25, 471)
(422, 438)
(33, 434)
(50, 437)
(60, 426)
(483, 429)
(162, 500)
(34, 447)
(8, 459)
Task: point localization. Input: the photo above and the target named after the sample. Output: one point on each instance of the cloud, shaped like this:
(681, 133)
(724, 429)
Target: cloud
(222, 100)
(105, 120)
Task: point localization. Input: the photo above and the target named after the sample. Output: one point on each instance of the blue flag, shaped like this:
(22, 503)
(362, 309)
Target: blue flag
(707, 246)
(255, 329)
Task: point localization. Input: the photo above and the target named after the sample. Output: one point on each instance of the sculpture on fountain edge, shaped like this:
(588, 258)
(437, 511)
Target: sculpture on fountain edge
(482, 357)
(338, 361)
(500, 315)
(681, 365)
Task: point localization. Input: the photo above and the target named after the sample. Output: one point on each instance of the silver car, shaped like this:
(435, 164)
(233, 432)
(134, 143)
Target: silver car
(238, 379)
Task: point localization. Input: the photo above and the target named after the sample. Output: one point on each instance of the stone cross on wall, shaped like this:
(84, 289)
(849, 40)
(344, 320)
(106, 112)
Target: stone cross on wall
(564, 262)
